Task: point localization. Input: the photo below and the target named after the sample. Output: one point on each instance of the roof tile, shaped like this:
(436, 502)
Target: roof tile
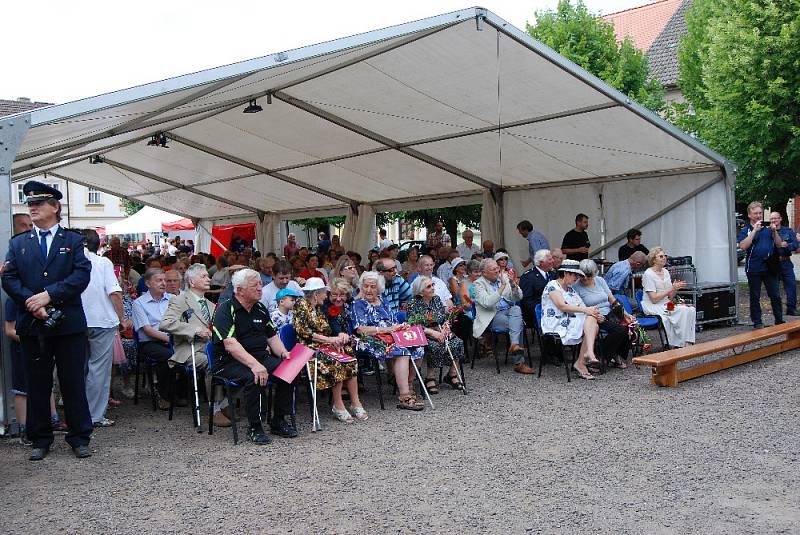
(643, 24)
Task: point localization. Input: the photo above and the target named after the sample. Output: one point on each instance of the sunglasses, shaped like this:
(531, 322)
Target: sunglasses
(388, 270)
(429, 286)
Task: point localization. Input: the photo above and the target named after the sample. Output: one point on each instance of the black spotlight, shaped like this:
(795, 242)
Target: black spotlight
(253, 107)
(158, 140)
(96, 159)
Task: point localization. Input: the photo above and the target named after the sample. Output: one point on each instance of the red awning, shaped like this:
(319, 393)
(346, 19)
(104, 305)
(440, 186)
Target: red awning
(181, 224)
(225, 233)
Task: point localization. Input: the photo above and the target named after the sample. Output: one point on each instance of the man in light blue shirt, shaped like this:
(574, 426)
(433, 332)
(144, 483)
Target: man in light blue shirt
(154, 345)
(618, 276)
(536, 240)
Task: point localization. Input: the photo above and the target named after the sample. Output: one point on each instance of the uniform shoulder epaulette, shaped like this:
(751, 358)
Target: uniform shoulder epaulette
(21, 233)
(73, 231)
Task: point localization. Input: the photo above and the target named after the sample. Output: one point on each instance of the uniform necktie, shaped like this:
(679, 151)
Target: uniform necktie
(43, 243)
(204, 310)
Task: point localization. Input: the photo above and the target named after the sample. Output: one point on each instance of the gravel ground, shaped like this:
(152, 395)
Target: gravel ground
(718, 454)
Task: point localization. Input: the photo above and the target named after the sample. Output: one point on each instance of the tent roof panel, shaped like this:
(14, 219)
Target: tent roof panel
(267, 193)
(188, 203)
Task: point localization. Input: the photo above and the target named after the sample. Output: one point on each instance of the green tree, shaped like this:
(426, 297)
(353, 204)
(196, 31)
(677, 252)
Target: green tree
(130, 207)
(469, 215)
(589, 41)
(740, 73)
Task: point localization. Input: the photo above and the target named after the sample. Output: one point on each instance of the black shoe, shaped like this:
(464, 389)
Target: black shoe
(283, 428)
(256, 435)
(82, 452)
(792, 312)
(758, 326)
(37, 454)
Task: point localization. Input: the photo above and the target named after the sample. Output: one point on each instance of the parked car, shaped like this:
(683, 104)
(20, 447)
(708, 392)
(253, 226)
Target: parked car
(402, 253)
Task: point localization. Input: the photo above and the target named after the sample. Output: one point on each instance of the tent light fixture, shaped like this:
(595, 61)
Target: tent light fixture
(96, 159)
(158, 140)
(253, 107)
(269, 98)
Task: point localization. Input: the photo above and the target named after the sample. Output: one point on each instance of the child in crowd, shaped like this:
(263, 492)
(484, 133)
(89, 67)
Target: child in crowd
(283, 313)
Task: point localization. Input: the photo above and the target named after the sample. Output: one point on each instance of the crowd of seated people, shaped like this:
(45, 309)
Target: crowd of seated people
(346, 309)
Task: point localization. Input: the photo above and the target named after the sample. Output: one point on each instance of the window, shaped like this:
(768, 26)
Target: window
(95, 196)
(55, 186)
(20, 194)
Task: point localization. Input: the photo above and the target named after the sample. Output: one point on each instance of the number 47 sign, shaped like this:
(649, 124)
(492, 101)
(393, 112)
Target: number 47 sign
(412, 337)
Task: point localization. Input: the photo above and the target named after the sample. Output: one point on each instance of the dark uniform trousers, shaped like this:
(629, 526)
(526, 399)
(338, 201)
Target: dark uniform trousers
(68, 353)
(284, 392)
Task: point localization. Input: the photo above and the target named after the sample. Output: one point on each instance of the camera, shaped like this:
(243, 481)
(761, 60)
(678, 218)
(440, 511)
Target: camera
(54, 318)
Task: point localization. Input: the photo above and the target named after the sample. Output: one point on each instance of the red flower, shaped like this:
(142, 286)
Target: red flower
(334, 311)
(670, 306)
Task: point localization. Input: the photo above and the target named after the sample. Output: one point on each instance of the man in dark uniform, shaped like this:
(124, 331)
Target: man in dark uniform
(46, 273)
(533, 282)
(247, 350)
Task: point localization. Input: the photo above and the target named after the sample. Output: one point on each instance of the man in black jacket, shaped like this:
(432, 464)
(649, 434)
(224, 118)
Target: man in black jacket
(533, 283)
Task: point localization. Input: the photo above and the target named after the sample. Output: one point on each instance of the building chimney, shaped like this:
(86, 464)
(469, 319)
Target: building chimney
(23, 99)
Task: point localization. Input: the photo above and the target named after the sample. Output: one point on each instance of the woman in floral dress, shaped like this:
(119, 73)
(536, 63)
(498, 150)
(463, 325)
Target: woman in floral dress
(427, 309)
(336, 367)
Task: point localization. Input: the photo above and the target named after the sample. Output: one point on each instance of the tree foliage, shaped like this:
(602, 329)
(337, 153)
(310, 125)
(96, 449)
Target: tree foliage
(589, 41)
(130, 207)
(740, 73)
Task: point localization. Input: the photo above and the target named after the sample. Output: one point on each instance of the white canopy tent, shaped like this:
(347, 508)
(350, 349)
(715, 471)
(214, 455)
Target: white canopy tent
(148, 220)
(456, 109)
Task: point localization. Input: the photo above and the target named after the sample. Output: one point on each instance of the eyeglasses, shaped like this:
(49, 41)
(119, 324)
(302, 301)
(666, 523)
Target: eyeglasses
(429, 286)
(348, 267)
(382, 270)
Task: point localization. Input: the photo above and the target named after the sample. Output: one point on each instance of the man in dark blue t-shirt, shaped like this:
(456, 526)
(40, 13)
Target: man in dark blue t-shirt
(760, 242)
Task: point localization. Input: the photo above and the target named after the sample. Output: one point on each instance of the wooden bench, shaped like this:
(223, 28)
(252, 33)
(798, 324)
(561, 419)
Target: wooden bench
(665, 364)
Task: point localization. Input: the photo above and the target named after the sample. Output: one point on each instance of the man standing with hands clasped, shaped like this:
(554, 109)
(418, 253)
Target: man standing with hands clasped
(760, 242)
(47, 271)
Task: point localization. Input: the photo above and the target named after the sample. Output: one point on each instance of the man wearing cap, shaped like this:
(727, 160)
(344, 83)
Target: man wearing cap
(46, 273)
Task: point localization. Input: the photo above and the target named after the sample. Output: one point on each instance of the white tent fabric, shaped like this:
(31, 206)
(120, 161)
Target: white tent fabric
(491, 223)
(430, 113)
(145, 221)
(268, 232)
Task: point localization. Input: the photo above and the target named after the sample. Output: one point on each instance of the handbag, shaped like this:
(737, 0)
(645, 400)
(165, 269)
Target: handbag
(118, 352)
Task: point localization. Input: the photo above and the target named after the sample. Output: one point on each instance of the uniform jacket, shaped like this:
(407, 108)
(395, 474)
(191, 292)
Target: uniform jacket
(486, 299)
(65, 273)
(532, 284)
(174, 322)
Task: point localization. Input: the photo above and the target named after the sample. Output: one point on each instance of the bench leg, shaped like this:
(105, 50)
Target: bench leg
(666, 375)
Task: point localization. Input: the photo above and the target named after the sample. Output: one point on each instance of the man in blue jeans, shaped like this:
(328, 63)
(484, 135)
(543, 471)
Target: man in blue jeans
(760, 242)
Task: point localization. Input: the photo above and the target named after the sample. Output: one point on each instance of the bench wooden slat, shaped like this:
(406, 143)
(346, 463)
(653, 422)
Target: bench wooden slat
(665, 364)
(715, 346)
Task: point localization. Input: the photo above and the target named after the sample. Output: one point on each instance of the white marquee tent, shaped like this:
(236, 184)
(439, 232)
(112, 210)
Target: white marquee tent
(148, 220)
(455, 109)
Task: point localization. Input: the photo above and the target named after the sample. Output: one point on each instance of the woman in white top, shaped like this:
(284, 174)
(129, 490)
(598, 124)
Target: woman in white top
(658, 290)
(565, 314)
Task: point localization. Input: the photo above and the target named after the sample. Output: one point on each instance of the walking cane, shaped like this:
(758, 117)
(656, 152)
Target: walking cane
(196, 416)
(455, 366)
(312, 385)
(421, 382)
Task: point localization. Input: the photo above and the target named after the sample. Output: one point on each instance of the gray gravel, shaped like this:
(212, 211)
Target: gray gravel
(718, 454)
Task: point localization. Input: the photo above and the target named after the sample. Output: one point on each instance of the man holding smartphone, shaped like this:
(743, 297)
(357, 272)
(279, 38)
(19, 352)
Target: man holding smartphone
(760, 240)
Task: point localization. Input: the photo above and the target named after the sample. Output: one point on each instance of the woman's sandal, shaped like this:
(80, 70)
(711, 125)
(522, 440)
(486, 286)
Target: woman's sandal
(454, 383)
(342, 415)
(410, 403)
(583, 375)
(360, 414)
(431, 386)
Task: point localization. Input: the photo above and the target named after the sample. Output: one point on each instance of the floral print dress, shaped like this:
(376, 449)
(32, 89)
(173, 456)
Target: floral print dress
(380, 315)
(309, 320)
(435, 352)
(567, 325)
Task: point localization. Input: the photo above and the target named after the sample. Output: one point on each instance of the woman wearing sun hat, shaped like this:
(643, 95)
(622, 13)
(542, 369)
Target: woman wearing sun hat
(565, 314)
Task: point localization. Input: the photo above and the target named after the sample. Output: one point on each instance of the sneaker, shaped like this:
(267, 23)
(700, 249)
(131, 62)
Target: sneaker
(283, 428)
(791, 312)
(256, 435)
(105, 422)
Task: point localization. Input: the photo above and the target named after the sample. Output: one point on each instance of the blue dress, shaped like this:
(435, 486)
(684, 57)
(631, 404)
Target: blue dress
(367, 315)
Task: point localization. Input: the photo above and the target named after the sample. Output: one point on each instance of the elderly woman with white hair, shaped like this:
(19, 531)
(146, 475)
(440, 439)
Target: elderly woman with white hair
(426, 309)
(335, 365)
(565, 314)
(594, 292)
(374, 320)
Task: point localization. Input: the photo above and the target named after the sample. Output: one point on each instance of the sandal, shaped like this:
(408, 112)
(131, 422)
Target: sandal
(360, 414)
(342, 415)
(410, 403)
(431, 386)
(113, 402)
(583, 375)
(454, 383)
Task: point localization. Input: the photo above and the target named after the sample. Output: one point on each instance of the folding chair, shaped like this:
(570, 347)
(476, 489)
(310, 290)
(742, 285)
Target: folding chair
(552, 339)
(148, 378)
(650, 321)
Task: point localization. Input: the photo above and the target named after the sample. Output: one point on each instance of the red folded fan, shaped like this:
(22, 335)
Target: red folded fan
(414, 336)
(289, 368)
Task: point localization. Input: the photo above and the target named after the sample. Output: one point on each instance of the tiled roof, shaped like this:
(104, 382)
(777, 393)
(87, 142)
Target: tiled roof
(663, 53)
(643, 24)
(10, 107)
